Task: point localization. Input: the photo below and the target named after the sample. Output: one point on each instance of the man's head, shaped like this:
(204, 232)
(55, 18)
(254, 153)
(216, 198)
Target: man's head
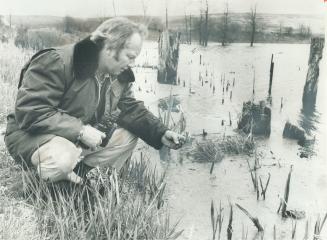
(120, 42)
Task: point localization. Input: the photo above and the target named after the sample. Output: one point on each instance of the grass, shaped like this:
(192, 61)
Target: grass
(12, 59)
(111, 208)
(128, 206)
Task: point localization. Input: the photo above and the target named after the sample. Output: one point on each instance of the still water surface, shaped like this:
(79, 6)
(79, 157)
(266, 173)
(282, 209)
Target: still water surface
(190, 186)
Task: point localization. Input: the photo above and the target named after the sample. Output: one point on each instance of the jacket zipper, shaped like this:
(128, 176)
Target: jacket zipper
(98, 97)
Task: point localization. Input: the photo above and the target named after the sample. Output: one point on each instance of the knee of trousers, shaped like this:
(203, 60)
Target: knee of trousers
(56, 159)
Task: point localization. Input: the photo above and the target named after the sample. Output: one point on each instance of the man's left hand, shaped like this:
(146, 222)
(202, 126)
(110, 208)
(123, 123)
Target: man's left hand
(173, 140)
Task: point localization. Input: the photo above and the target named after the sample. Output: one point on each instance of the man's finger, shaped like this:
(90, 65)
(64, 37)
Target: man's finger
(181, 138)
(176, 139)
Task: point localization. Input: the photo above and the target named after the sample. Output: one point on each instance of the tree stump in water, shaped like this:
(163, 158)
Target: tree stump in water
(311, 84)
(257, 115)
(168, 57)
(293, 132)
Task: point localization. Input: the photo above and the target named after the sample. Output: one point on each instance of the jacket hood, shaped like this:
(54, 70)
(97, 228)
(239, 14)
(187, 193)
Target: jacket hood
(86, 58)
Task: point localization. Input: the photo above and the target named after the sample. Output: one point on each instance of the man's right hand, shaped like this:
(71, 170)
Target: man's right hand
(91, 137)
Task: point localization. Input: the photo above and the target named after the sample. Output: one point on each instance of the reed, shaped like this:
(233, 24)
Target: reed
(109, 208)
(253, 219)
(217, 219)
(318, 227)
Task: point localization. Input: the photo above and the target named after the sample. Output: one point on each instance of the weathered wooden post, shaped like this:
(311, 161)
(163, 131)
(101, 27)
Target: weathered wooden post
(311, 84)
(168, 57)
(271, 73)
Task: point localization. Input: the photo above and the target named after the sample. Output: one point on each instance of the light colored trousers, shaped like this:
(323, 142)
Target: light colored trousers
(56, 159)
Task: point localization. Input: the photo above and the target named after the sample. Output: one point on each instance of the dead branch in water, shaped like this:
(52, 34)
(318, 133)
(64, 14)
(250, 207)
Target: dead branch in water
(253, 219)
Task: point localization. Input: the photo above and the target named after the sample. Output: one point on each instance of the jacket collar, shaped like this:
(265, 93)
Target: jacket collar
(85, 61)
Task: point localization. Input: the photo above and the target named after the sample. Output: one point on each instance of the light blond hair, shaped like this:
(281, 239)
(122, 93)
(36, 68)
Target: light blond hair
(116, 31)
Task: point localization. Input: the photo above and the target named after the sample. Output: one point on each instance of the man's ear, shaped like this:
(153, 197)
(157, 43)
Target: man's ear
(110, 52)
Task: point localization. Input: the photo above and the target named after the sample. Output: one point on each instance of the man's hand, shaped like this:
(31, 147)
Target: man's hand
(173, 140)
(91, 137)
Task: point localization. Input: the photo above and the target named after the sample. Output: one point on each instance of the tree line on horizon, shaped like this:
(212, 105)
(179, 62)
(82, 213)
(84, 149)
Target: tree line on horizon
(223, 28)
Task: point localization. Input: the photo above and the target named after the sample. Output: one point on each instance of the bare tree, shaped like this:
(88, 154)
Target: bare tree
(280, 31)
(308, 31)
(69, 24)
(203, 26)
(190, 27)
(224, 26)
(253, 23)
(289, 31)
(114, 7)
(1, 21)
(186, 30)
(145, 8)
(200, 29)
(206, 32)
(304, 31)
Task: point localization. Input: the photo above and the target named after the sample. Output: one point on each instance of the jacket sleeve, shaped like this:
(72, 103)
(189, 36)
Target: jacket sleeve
(38, 99)
(140, 121)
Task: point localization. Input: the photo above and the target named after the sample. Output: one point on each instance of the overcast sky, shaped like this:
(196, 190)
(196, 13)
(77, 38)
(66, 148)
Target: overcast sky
(100, 8)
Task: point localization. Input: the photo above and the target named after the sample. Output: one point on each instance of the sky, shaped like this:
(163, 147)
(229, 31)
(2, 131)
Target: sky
(101, 8)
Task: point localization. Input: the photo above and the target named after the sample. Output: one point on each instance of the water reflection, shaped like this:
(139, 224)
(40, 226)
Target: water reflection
(308, 120)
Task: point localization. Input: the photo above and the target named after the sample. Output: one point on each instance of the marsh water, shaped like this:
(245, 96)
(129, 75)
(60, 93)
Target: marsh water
(191, 187)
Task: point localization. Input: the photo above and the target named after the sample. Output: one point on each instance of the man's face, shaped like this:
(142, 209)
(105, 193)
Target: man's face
(113, 63)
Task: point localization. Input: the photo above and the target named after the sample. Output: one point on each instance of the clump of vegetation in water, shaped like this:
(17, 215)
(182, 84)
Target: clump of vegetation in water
(214, 150)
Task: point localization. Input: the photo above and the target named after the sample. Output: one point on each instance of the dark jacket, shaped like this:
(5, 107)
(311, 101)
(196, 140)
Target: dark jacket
(59, 94)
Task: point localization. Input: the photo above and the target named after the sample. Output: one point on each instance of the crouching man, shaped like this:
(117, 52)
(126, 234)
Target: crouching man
(75, 103)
